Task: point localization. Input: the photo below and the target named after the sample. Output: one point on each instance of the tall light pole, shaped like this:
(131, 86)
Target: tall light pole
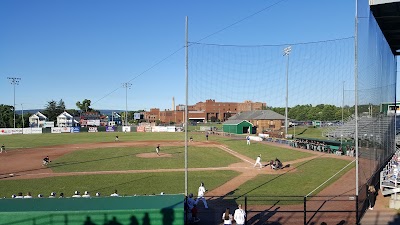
(14, 81)
(286, 52)
(127, 86)
(23, 122)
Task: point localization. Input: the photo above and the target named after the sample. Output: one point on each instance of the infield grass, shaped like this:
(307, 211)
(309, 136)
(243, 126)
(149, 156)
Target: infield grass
(105, 159)
(308, 176)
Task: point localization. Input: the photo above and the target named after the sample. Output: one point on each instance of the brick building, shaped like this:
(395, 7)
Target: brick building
(210, 110)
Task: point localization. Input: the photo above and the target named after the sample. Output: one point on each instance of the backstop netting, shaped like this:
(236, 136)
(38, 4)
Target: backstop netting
(316, 73)
(376, 66)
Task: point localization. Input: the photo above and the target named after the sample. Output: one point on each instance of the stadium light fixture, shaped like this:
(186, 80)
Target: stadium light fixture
(286, 52)
(127, 86)
(14, 81)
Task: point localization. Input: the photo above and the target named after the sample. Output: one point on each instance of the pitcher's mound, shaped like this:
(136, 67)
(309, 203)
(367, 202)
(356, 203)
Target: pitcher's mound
(153, 155)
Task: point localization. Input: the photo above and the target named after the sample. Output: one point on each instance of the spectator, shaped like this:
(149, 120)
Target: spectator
(19, 195)
(194, 214)
(76, 195)
(52, 195)
(115, 194)
(190, 202)
(40, 196)
(86, 195)
(227, 217)
(61, 195)
(13, 196)
(240, 215)
(28, 195)
(97, 194)
(371, 193)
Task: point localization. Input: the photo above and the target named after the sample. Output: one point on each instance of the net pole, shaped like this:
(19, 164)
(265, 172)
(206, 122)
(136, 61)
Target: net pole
(356, 96)
(186, 108)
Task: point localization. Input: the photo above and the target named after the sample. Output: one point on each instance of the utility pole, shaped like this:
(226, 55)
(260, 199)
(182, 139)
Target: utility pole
(127, 86)
(14, 81)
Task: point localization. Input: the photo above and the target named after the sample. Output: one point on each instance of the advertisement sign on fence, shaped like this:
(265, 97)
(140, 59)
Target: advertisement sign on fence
(75, 129)
(65, 129)
(126, 129)
(32, 130)
(56, 130)
(10, 130)
(92, 129)
(110, 129)
(140, 129)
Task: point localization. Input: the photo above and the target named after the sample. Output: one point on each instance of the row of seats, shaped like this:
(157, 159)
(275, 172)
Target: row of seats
(76, 194)
(389, 176)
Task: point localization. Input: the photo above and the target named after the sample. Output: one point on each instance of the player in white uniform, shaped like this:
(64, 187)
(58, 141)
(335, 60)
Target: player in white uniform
(258, 161)
(158, 149)
(248, 139)
(200, 195)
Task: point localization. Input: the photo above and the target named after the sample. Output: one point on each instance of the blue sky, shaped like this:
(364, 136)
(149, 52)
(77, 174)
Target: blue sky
(76, 49)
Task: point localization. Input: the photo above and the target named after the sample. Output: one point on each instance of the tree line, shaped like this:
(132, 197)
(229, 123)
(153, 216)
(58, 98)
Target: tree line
(52, 109)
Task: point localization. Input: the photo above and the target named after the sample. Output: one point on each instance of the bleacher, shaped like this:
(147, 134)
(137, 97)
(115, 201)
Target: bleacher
(389, 176)
(368, 128)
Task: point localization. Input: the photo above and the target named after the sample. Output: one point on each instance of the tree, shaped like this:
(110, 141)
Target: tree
(6, 116)
(84, 106)
(53, 109)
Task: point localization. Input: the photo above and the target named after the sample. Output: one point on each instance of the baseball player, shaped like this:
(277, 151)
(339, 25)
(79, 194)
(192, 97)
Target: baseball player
(3, 148)
(200, 195)
(116, 138)
(248, 139)
(258, 161)
(46, 161)
(158, 149)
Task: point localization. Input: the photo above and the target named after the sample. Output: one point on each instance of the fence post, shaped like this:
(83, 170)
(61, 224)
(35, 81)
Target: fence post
(245, 209)
(305, 210)
(357, 214)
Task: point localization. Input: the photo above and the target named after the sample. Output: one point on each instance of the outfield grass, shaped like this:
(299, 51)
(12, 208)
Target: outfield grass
(309, 175)
(308, 132)
(126, 184)
(125, 159)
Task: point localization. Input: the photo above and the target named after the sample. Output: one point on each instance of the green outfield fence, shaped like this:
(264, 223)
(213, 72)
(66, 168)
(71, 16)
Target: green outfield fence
(144, 210)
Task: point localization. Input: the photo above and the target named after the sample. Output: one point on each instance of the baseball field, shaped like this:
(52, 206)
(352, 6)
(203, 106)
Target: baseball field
(95, 162)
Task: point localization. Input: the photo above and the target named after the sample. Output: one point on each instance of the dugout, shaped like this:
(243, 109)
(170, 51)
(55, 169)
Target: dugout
(157, 209)
(334, 145)
(237, 127)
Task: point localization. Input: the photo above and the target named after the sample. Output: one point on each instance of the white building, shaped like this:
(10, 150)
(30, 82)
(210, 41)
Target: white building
(38, 120)
(66, 120)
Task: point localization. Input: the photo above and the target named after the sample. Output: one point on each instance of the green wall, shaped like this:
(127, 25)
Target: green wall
(145, 210)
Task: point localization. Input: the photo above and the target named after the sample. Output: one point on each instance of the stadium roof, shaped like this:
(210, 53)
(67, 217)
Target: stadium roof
(387, 14)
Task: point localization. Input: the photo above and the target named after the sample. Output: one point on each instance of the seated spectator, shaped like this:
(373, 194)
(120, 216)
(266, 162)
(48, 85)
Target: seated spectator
(19, 195)
(40, 196)
(97, 194)
(13, 196)
(76, 195)
(52, 195)
(86, 195)
(28, 195)
(115, 194)
(61, 195)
